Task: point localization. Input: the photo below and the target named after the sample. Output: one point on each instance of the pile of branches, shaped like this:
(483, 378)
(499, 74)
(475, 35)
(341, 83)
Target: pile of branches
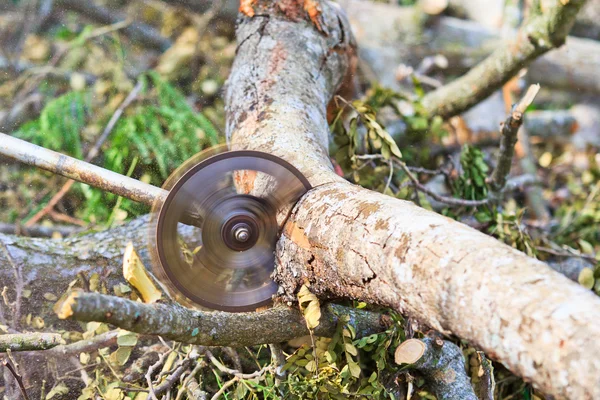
(427, 301)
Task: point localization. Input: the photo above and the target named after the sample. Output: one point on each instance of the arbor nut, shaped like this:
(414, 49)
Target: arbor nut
(241, 232)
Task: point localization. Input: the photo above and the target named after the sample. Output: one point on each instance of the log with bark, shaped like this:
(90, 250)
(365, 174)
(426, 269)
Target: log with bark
(352, 243)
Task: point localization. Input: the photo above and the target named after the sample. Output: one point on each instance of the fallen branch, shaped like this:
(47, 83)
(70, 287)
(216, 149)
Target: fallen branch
(29, 341)
(442, 362)
(537, 36)
(38, 230)
(92, 153)
(79, 170)
(138, 31)
(105, 339)
(349, 242)
(181, 324)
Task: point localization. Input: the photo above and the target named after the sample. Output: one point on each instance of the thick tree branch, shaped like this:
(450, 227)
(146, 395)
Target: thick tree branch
(181, 324)
(354, 243)
(542, 33)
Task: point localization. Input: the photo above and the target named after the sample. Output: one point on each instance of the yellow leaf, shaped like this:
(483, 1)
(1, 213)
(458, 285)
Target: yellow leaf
(135, 273)
(312, 311)
(586, 278)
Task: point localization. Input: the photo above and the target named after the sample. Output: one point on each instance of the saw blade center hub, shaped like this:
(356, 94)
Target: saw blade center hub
(240, 232)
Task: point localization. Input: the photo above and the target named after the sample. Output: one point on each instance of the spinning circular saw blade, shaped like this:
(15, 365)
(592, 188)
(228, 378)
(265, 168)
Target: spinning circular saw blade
(215, 232)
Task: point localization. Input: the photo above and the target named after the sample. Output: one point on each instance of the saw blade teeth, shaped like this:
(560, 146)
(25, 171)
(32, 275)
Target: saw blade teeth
(213, 236)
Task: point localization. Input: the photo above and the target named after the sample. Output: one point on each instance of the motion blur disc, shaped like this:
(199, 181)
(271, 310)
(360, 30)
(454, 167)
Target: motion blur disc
(216, 230)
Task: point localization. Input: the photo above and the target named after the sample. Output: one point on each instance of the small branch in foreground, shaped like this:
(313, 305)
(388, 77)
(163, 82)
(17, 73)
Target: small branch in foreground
(29, 341)
(92, 153)
(180, 324)
(540, 34)
(510, 130)
(443, 365)
(78, 170)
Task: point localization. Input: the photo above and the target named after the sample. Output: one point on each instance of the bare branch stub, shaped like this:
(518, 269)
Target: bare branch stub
(442, 363)
(510, 130)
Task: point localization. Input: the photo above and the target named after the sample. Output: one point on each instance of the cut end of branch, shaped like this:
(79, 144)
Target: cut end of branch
(527, 100)
(135, 273)
(64, 306)
(409, 352)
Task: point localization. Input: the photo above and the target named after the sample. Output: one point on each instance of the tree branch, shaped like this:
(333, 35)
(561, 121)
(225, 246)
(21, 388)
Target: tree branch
(442, 362)
(349, 242)
(510, 131)
(542, 33)
(29, 341)
(78, 170)
(181, 324)
(137, 31)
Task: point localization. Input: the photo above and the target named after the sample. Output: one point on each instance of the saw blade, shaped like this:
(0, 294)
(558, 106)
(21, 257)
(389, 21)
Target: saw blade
(214, 234)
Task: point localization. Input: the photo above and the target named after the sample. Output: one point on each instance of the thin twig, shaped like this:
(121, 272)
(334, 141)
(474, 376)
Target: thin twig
(92, 153)
(13, 369)
(510, 130)
(191, 377)
(234, 372)
(153, 367)
(84, 346)
(443, 199)
(225, 386)
(179, 369)
(391, 175)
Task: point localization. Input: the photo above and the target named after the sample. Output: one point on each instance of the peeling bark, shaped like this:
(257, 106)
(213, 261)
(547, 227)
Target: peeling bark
(353, 243)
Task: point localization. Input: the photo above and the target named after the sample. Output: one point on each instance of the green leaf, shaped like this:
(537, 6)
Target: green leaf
(349, 347)
(59, 389)
(311, 366)
(125, 338)
(354, 369)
